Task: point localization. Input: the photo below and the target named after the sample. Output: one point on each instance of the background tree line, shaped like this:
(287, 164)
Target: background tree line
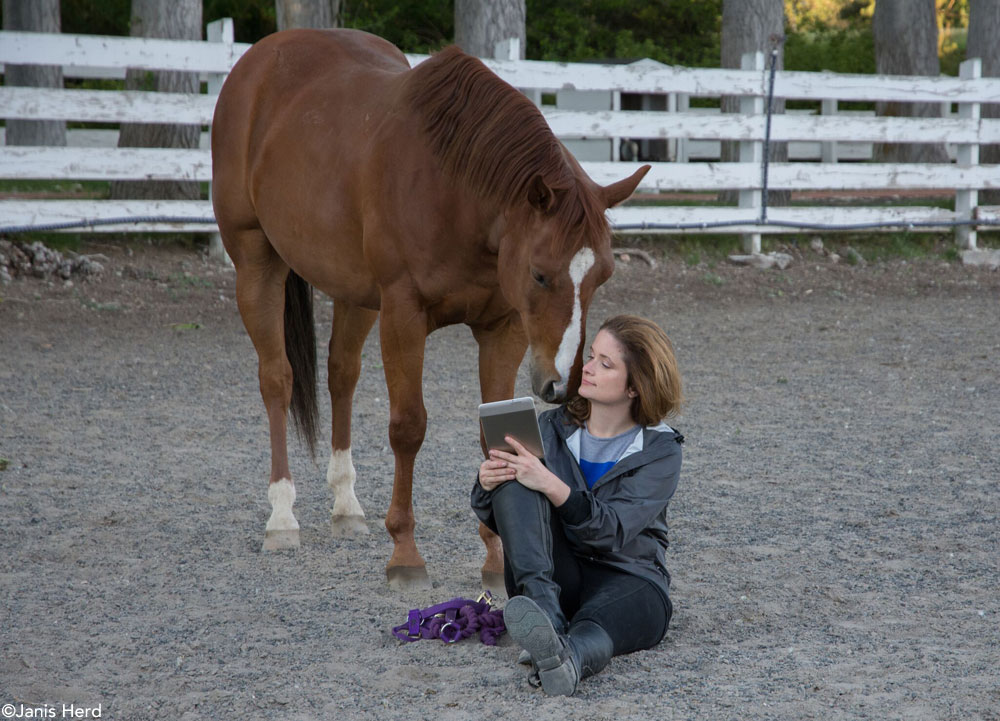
(904, 37)
(820, 34)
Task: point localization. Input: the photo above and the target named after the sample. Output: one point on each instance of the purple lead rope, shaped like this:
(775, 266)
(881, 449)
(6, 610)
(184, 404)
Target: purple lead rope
(454, 620)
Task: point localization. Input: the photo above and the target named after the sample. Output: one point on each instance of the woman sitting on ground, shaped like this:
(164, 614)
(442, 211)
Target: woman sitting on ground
(584, 532)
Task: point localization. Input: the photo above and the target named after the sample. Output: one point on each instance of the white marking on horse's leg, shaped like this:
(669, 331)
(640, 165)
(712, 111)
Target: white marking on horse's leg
(347, 517)
(282, 530)
(340, 475)
(581, 264)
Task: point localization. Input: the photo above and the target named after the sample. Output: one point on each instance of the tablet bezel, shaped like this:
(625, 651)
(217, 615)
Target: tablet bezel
(515, 417)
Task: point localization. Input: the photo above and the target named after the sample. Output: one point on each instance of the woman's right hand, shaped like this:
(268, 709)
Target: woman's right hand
(493, 473)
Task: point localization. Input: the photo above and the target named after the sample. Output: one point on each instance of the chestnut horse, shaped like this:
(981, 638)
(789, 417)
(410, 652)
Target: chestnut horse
(420, 197)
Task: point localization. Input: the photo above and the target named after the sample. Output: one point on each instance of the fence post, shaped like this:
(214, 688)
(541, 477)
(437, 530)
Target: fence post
(510, 49)
(828, 148)
(507, 49)
(683, 105)
(752, 151)
(616, 142)
(219, 31)
(967, 155)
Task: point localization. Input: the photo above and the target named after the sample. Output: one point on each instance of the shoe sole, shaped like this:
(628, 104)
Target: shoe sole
(529, 626)
(532, 630)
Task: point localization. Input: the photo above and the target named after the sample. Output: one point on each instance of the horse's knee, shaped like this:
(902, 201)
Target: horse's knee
(276, 381)
(407, 430)
(342, 375)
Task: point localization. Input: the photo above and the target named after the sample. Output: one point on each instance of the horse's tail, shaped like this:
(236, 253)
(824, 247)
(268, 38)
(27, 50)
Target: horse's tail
(300, 347)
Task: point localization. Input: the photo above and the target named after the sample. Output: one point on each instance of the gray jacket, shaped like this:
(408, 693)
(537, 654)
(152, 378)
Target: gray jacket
(622, 521)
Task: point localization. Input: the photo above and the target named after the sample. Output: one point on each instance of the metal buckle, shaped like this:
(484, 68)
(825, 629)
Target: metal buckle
(487, 597)
(453, 635)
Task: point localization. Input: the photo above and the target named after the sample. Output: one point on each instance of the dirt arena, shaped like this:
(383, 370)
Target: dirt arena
(835, 543)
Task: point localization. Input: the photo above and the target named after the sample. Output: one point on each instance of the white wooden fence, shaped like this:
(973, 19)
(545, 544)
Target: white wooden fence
(85, 55)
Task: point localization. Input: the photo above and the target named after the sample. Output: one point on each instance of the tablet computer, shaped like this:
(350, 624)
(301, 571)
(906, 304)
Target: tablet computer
(516, 418)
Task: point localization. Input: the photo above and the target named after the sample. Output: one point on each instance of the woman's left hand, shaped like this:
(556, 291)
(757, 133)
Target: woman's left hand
(531, 473)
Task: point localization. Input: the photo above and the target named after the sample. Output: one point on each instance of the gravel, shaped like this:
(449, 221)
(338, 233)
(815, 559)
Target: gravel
(834, 540)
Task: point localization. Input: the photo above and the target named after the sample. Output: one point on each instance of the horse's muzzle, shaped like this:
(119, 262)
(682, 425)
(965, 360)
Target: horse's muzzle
(552, 391)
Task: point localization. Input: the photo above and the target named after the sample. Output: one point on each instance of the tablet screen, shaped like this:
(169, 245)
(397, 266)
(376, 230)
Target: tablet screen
(515, 418)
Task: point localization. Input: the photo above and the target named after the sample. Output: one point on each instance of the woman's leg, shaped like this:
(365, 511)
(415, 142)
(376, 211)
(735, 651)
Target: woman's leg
(619, 613)
(630, 609)
(524, 522)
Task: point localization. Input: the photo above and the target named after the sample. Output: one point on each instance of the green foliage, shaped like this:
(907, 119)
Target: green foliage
(841, 50)
(672, 31)
(953, 50)
(900, 245)
(252, 19)
(95, 17)
(821, 34)
(813, 15)
(57, 188)
(414, 27)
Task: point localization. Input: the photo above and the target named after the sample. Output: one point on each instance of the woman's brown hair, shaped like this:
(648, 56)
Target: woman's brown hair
(652, 371)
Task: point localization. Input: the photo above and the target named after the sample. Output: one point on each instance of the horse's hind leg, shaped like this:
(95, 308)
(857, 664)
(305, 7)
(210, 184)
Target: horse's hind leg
(351, 326)
(260, 293)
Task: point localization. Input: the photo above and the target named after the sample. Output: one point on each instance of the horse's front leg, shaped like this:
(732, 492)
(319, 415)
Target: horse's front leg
(351, 326)
(501, 349)
(403, 332)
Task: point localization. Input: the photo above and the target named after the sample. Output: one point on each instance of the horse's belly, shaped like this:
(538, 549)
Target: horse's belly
(343, 281)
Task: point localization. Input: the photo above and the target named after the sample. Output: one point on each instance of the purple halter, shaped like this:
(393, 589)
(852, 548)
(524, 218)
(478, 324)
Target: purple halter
(454, 620)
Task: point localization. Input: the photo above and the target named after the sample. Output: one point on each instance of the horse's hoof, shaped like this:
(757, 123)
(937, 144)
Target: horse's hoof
(493, 582)
(408, 578)
(348, 526)
(280, 540)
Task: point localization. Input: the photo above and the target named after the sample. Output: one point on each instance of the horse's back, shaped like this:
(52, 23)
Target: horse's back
(299, 75)
(282, 64)
(290, 132)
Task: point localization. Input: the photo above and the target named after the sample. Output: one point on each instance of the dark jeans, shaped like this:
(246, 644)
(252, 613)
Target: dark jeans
(629, 608)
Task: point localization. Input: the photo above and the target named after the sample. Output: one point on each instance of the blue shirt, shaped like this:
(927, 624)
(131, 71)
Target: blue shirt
(599, 455)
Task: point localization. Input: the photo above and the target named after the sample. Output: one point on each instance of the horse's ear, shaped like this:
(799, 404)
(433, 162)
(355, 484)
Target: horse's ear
(617, 192)
(540, 195)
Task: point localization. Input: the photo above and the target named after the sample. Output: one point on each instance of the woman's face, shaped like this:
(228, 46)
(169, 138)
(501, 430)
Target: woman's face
(605, 376)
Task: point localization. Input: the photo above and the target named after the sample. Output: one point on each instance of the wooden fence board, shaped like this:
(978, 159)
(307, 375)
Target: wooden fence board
(691, 133)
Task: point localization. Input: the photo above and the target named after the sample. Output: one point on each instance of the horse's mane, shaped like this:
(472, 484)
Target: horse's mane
(492, 139)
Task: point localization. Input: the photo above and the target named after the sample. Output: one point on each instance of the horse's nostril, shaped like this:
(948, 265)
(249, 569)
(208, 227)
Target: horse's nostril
(553, 392)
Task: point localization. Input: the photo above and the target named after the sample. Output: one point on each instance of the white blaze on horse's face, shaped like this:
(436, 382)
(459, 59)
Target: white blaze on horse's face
(581, 264)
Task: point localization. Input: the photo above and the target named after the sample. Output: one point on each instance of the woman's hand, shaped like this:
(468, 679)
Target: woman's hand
(528, 470)
(493, 473)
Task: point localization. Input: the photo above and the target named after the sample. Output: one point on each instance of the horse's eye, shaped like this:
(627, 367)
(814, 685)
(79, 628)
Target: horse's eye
(539, 278)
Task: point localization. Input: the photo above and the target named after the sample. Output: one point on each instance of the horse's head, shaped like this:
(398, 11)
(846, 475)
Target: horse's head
(554, 251)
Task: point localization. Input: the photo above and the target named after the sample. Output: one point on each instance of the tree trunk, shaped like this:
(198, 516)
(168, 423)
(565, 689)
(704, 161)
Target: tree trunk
(984, 29)
(753, 26)
(481, 24)
(307, 13)
(178, 20)
(37, 16)
(906, 43)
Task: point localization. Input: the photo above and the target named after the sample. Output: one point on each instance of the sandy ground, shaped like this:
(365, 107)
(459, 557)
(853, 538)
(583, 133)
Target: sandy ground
(835, 538)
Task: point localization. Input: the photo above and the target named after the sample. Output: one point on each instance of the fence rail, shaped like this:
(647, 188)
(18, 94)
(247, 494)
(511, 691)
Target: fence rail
(587, 116)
